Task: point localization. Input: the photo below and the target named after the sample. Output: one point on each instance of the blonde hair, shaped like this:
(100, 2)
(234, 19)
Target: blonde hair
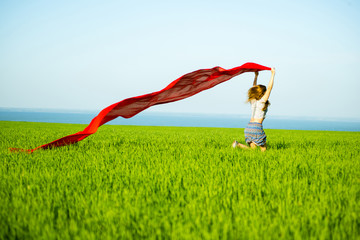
(257, 92)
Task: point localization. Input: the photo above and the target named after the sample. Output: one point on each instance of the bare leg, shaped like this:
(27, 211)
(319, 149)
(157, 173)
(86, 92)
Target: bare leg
(263, 148)
(252, 145)
(240, 145)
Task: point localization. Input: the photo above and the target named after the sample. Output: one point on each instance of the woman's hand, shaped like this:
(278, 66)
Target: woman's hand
(273, 71)
(256, 73)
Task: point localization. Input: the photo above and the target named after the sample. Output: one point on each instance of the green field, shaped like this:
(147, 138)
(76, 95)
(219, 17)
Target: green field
(136, 182)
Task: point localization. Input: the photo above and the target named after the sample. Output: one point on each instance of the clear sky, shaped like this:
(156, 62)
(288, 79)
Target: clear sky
(86, 55)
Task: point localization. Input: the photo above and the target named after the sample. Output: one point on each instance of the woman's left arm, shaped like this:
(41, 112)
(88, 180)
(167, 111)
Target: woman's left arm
(270, 86)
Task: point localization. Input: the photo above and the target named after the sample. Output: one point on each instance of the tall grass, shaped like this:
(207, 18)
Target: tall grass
(133, 182)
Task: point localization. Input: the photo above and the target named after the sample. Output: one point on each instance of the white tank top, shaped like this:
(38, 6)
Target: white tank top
(257, 109)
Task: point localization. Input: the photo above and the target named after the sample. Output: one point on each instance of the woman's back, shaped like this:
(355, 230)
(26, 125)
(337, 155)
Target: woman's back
(257, 107)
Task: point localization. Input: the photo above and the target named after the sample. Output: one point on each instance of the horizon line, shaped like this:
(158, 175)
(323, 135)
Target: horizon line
(150, 112)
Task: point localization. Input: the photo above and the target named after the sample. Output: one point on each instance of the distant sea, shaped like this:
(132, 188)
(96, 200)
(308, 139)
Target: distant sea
(178, 119)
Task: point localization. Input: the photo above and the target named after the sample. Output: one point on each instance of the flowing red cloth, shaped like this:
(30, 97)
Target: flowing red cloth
(183, 87)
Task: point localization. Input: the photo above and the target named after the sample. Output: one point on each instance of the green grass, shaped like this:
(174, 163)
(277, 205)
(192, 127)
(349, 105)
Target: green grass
(135, 182)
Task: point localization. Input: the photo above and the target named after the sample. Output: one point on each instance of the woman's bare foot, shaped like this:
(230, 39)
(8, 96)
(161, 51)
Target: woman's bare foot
(236, 144)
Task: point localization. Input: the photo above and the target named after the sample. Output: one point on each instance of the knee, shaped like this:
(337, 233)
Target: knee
(252, 145)
(263, 148)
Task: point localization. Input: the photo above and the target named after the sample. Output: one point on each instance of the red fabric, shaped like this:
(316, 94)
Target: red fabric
(183, 87)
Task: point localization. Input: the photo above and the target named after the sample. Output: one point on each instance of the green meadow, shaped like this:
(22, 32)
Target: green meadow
(137, 182)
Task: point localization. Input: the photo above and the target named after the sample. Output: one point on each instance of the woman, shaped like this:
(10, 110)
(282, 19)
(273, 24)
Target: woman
(258, 96)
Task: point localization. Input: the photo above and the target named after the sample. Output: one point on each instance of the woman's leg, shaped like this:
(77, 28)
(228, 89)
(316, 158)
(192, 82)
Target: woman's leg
(252, 145)
(263, 147)
(240, 145)
(243, 146)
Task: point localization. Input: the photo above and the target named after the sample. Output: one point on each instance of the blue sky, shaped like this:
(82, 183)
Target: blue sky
(86, 55)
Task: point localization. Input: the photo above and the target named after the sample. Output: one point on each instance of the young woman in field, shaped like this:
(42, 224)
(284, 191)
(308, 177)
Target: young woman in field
(258, 96)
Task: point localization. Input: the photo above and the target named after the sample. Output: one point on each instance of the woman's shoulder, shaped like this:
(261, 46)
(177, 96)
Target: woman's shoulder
(262, 100)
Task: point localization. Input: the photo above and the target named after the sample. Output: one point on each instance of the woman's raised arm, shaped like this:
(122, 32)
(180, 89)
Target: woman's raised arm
(255, 79)
(270, 85)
